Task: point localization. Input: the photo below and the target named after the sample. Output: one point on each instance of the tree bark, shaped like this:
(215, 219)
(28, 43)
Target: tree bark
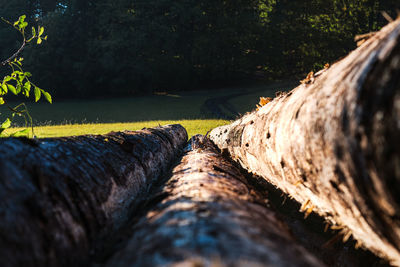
(333, 143)
(207, 214)
(60, 198)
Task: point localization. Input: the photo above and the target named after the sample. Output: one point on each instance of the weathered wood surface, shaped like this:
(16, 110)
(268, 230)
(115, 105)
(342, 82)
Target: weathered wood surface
(207, 214)
(333, 143)
(61, 197)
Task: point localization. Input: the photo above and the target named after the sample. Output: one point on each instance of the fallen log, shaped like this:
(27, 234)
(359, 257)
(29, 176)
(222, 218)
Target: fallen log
(60, 198)
(207, 214)
(333, 143)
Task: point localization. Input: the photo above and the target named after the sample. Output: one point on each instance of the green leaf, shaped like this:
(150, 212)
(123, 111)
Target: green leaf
(23, 25)
(47, 96)
(21, 77)
(33, 31)
(7, 78)
(11, 88)
(2, 101)
(19, 89)
(27, 86)
(37, 94)
(4, 87)
(39, 40)
(6, 124)
(22, 133)
(41, 30)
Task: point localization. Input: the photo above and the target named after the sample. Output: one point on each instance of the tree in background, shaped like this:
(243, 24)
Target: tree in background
(307, 34)
(123, 47)
(120, 47)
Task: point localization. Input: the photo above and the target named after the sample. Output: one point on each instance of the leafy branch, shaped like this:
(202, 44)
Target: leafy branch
(18, 81)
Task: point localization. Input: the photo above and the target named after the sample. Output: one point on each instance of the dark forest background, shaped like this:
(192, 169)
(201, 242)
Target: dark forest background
(134, 47)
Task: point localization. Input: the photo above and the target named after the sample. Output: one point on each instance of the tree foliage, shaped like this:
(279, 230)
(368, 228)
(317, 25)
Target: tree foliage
(18, 81)
(120, 47)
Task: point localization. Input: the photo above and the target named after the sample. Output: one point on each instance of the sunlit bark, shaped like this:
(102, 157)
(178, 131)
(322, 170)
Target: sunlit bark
(333, 143)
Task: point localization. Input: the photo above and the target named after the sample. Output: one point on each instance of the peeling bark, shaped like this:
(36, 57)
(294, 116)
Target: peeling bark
(333, 143)
(60, 198)
(207, 214)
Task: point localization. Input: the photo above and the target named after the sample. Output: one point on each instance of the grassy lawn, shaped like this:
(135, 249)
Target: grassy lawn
(77, 117)
(192, 126)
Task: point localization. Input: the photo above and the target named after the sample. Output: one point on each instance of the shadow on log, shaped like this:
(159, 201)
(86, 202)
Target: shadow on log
(61, 198)
(333, 144)
(208, 215)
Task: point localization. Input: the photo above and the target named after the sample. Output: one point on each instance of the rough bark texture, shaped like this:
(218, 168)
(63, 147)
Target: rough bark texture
(60, 198)
(207, 214)
(333, 143)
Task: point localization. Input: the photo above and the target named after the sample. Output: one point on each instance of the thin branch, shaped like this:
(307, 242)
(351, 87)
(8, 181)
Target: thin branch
(7, 61)
(386, 16)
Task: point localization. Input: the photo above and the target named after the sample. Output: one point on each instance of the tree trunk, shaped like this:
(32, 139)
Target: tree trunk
(333, 143)
(207, 214)
(61, 197)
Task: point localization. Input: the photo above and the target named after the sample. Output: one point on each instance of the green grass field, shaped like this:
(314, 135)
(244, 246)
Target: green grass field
(192, 127)
(77, 117)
